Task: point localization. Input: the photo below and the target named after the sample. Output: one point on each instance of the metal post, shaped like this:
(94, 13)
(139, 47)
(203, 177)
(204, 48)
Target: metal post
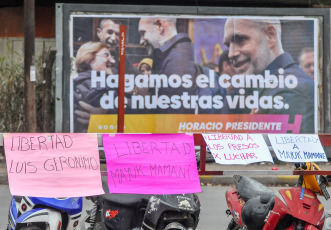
(121, 76)
(29, 67)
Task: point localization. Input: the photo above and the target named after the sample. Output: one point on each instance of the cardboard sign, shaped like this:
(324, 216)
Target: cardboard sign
(238, 148)
(151, 163)
(297, 147)
(53, 165)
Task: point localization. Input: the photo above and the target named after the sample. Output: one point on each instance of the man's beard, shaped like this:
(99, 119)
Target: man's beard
(256, 64)
(148, 46)
(149, 49)
(263, 59)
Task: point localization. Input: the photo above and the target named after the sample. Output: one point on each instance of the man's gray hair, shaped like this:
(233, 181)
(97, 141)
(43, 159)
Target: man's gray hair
(273, 22)
(170, 21)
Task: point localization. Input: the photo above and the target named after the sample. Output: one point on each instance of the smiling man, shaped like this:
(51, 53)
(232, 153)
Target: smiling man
(253, 44)
(108, 33)
(255, 48)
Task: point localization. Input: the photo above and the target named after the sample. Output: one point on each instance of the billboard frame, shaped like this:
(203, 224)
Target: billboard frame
(63, 62)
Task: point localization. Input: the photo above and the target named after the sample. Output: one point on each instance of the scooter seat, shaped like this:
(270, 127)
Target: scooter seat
(248, 188)
(132, 200)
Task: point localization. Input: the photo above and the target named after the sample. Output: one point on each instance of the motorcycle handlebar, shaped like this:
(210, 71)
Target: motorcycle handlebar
(304, 166)
(299, 166)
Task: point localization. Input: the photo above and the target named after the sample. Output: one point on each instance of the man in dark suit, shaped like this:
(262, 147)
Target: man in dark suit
(255, 48)
(173, 54)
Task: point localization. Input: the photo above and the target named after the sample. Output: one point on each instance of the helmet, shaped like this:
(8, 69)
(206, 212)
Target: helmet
(256, 210)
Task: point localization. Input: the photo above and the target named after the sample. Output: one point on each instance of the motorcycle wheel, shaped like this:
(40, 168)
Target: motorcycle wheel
(172, 226)
(8, 225)
(234, 226)
(30, 228)
(239, 228)
(98, 226)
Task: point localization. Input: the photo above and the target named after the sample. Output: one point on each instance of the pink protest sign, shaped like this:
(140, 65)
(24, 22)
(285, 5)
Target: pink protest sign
(53, 165)
(151, 163)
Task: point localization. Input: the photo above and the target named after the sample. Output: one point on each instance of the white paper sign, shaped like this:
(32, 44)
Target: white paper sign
(32, 73)
(297, 147)
(238, 148)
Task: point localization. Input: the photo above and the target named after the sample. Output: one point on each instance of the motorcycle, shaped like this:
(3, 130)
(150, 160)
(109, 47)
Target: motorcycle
(147, 212)
(38, 213)
(254, 206)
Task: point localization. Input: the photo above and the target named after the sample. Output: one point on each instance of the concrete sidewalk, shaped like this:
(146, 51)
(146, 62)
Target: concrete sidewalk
(258, 171)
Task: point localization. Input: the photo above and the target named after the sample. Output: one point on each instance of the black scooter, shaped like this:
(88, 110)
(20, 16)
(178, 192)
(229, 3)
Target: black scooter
(147, 212)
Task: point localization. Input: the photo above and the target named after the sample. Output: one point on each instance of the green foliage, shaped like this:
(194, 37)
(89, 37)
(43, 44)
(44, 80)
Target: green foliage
(11, 94)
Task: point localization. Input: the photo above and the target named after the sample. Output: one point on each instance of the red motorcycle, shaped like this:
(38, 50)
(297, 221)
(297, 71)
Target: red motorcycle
(254, 206)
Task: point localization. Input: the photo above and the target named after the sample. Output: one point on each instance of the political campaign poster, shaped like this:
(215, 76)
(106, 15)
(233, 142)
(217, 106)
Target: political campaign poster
(208, 74)
(151, 163)
(298, 148)
(53, 164)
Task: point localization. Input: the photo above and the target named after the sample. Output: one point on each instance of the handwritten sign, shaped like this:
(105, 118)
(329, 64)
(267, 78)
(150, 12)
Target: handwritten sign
(238, 148)
(151, 163)
(297, 147)
(53, 165)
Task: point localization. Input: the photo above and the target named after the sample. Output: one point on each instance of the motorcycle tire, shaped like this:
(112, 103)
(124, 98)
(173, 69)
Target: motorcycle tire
(234, 226)
(98, 226)
(30, 228)
(7, 228)
(237, 227)
(172, 226)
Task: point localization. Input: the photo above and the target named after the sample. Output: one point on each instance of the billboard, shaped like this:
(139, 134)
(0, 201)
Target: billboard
(188, 73)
